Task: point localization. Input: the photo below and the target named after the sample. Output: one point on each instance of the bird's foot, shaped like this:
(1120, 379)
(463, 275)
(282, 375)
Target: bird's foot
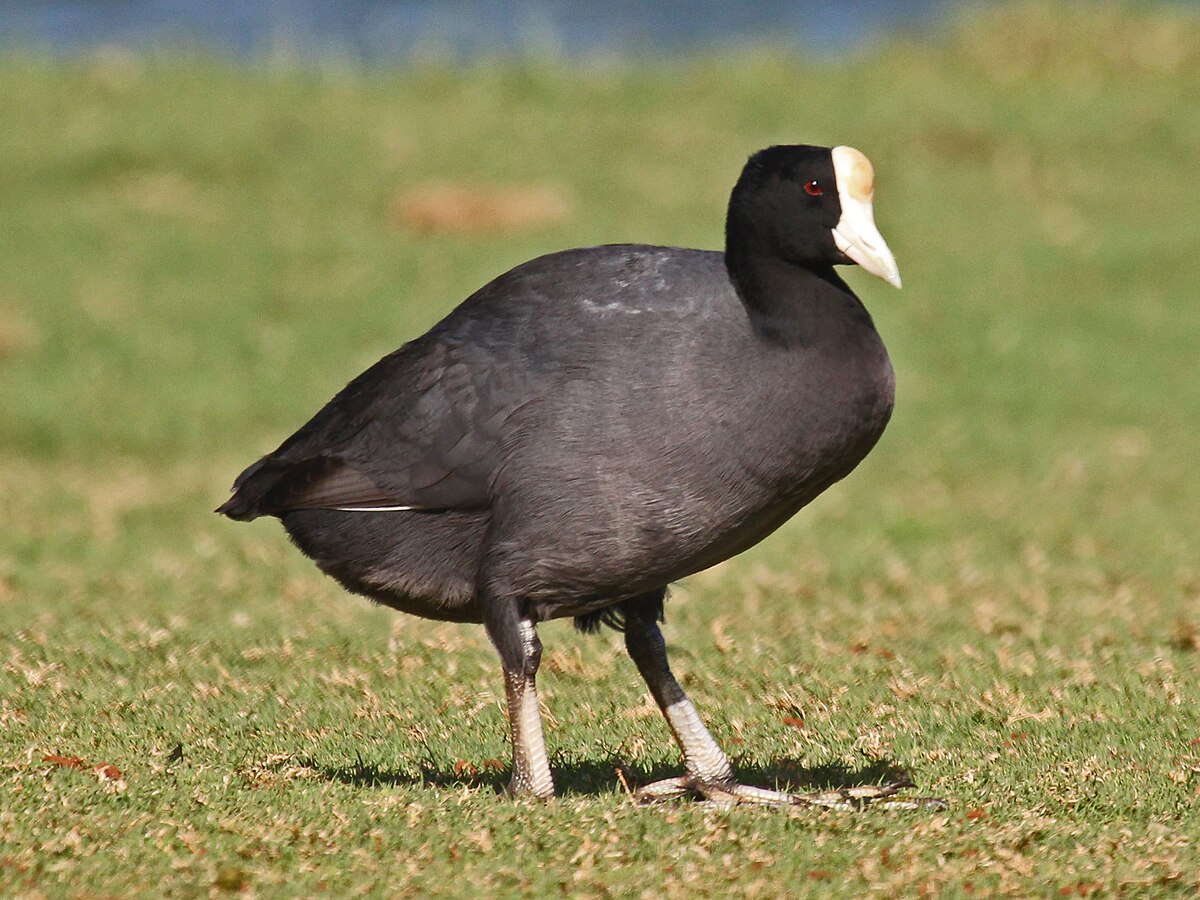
(725, 794)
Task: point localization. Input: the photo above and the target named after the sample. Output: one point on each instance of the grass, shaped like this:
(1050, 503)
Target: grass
(1004, 599)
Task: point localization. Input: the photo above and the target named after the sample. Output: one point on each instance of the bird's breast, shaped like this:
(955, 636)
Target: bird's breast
(817, 418)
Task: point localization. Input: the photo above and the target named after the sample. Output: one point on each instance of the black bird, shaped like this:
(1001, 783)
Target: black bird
(598, 423)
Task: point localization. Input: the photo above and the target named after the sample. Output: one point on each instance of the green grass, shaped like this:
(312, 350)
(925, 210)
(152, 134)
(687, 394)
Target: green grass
(1005, 598)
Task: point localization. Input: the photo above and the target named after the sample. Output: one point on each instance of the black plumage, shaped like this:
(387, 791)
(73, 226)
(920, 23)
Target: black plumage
(598, 423)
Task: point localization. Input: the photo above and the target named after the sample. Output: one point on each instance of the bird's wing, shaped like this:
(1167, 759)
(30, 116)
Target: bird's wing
(419, 430)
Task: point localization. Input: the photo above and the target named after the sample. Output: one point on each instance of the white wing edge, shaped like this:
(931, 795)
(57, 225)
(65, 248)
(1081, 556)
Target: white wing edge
(375, 508)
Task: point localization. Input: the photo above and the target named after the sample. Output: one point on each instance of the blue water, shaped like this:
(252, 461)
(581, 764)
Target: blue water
(385, 30)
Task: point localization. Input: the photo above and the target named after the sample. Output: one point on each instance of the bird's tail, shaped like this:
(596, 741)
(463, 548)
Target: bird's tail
(249, 488)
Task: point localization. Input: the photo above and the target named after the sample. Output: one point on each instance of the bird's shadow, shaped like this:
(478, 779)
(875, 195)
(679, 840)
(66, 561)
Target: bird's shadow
(594, 777)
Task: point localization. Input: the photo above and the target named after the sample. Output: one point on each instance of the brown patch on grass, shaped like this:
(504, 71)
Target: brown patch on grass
(64, 762)
(1185, 636)
(164, 193)
(106, 773)
(17, 332)
(446, 208)
(276, 769)
(230, 878)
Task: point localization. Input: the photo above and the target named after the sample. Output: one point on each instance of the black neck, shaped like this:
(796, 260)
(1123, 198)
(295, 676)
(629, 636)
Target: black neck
(790, 303)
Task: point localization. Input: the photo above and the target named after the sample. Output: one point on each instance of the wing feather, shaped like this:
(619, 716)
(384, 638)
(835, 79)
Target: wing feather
(421, 429)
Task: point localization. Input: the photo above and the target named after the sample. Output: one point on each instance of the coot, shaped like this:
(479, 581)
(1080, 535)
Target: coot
(598, 423)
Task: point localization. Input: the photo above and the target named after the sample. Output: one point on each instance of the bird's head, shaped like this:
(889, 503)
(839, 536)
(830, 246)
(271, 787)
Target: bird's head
(811, 206)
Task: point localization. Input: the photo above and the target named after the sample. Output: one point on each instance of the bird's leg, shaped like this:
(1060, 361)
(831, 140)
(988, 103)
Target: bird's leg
(706, 763)
(531, 768)
(520, 653)
(709, 774)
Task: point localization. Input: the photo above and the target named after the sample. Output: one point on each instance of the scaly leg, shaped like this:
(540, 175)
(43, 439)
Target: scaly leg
(708, 772)
(520, 653)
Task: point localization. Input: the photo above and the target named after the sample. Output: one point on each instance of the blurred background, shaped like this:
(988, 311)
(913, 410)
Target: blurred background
(387, 31)
(213, 215)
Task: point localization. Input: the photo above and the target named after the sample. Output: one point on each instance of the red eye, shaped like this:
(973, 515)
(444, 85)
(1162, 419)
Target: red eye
(813, 188)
